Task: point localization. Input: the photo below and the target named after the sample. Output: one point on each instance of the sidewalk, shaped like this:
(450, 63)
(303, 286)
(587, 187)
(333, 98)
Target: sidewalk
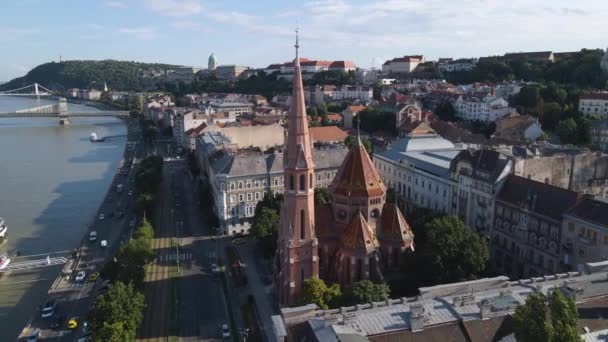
(262, 293)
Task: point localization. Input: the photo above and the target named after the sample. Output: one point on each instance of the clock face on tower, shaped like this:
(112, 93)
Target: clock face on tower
(342, 214)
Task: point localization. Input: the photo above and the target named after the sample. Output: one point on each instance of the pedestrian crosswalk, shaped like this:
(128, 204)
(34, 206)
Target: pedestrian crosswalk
(172, 257)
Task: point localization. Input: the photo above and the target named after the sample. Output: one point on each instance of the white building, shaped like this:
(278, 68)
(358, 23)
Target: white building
(486, 109)
(594, 104)
(402, 65)
(234, 109)
(183, 74)
(458, 65)
(328, 93)
(417, 168)
(184, 122)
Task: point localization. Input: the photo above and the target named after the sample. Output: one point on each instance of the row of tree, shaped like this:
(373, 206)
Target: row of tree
(147, 183)
(117, 313)
(316, 291)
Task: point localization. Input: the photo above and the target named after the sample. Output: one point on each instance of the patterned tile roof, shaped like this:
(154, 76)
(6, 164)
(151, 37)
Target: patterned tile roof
(359, 235)
(357, 176)
(394, 225)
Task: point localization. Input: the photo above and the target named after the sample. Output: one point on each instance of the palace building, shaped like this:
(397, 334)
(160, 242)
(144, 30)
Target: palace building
(357, 236)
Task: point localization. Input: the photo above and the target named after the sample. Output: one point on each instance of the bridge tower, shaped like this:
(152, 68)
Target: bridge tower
(62, 108)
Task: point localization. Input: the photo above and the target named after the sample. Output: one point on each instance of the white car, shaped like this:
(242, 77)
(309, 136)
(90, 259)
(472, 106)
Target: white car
(80, 276)
(101, 216)
(93, 236)
(225, 331)
(214, 268)
(104, 243)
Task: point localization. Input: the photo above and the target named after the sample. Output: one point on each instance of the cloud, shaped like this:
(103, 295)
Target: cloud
(192, 26)
(116, 4)
(174, 8)
(139, 32)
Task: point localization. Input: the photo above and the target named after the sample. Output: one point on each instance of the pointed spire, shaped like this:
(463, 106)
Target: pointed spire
(358, 141)
(297, 46)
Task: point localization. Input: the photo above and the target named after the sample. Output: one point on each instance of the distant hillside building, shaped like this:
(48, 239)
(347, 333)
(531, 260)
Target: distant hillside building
(311, 66)
(540, 56)
(594, 104)
(401, 65)
(229, 72)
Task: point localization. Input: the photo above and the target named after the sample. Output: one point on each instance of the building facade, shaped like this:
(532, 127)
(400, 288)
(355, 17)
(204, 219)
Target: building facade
(594, 104)
(585, 233)
(477, 177)
(229, 72)
(402, 65)
(485, 109)
(598, 134)
(526, 240)
(212, 63)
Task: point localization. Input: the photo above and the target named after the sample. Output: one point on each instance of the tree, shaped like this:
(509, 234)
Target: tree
(554, 93)
(322, 108)
(117, 313)
(366, 292)
(551, 116)
(537, 320)
(265, 223)
(530, 320)
(316, 291)
(445, 111)
(567, 131)
(321, 196)
(144, 231)
(312, 111)
(583, 134)
(350, 141)
(529, 99)
(446, 251)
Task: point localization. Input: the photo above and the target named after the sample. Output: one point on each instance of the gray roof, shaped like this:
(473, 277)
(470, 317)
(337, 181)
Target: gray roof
(235, 165)
(450, 303)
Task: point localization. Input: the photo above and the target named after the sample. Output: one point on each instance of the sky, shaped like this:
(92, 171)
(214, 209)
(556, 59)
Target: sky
(260, 32)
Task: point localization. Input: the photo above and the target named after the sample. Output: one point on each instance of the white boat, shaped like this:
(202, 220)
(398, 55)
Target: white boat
(4, 261)
(95, 138)
(3, 228)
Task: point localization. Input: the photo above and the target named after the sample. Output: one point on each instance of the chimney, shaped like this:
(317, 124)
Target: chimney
(417, 317)
(485, 309)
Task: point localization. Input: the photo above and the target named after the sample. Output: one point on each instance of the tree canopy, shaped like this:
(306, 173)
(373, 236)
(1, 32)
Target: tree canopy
(365, 291)
(350, 141)
(316, 291)
(117, 313)
(544, 320)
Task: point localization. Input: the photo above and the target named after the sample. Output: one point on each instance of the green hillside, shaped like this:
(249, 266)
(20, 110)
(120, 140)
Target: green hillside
(119, 75)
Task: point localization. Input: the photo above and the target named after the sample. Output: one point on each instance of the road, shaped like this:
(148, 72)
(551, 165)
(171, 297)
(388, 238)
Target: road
(189, 304)
(74, 299)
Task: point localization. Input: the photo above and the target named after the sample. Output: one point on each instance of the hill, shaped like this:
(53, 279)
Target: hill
(119, 75)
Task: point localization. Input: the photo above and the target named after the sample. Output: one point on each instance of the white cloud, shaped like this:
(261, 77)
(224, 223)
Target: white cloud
(175, 8)
(116, 4)
(139, 32)
(192, 26)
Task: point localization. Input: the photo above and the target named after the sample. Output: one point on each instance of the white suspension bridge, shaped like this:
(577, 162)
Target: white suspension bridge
(60, 109)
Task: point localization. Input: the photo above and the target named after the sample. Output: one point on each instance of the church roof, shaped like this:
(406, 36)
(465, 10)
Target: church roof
(394, 225)
(357, 175)
(359, 235)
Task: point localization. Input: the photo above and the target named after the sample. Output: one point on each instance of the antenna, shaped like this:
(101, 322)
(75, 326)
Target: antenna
(297, 46)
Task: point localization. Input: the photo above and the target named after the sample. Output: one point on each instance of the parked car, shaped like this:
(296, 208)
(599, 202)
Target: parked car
(101, 216)
(104, 243)
(214, 268)
(80, 276)
(225, 331)
(33, 337)
(93, 277)
(49, 308)
(73, 323)
(93, 236)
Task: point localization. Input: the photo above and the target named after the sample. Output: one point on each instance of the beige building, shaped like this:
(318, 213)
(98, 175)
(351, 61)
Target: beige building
(240, 179)
(585, 233)
(402, 65)
(229, 72)
(598, 134)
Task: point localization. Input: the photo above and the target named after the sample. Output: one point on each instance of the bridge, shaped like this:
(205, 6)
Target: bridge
(60, 109)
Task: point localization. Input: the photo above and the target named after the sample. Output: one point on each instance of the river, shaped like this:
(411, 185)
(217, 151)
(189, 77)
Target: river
(52, 180)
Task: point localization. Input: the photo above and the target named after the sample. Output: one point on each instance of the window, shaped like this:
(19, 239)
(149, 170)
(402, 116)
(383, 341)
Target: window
(302, 183)
(249, 197)
(232, 199)
(375, 213)
(240, 185)
(241, 198)
(319, 177)
(276, 182)
(231, 186)
(291, 182)
(310, 181)
(222, 186)
(257, 183)
(302, 229)
(257, 196)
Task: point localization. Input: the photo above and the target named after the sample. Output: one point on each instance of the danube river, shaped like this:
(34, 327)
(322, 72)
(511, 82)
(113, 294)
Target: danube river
(52, 180)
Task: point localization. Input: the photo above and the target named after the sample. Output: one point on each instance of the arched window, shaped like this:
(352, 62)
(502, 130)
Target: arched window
(302, 219)
(310, 181)
(302, 181)
(291, 182)
(375, 213)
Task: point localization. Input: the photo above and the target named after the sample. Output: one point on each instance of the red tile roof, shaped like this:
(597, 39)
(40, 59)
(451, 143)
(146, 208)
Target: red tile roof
(395, 227)
(357, 176)
(359, 235)
(594, 96)
(334, 117)
(327, 134)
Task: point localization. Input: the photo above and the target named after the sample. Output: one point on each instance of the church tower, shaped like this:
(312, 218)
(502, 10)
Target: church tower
(297, 258)
(604, 62)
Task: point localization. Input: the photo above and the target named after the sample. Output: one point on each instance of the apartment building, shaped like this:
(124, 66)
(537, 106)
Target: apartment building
(478, 108)
(594, 104)
(402, 65)
(526, 240)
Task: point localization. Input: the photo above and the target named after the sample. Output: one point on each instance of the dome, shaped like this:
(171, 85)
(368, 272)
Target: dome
(212, 58)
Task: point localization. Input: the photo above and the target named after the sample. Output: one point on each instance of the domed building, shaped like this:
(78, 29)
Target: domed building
(604, 62)
(212, 64)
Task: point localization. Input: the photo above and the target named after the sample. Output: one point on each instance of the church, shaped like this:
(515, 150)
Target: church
(357, 236)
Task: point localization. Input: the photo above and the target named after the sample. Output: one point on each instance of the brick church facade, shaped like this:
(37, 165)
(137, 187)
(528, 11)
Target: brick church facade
(357, 236)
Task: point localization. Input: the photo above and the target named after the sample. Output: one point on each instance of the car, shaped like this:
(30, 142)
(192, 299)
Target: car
(103, 243)
(73, 323)
(80, 276)
(57, 322)
(93, 236)
(101, 216)
(132, 223)
(214, 268)
(93, 277)
(225, 331)
(130, 193)
(49, 308)
(33, 337)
